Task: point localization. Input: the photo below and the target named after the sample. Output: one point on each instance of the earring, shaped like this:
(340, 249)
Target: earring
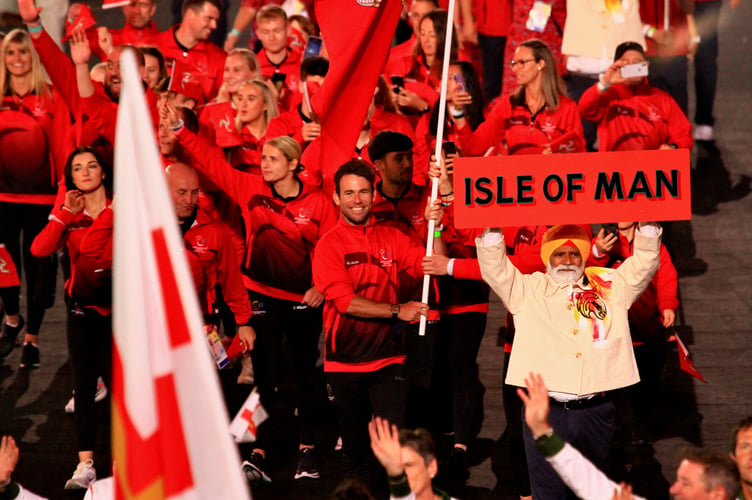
(539, 68)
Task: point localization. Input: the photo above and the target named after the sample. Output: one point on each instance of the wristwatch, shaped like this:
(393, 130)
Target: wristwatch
(395, 311)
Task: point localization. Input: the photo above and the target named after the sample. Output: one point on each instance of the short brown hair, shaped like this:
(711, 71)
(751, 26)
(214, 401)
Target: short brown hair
(271, 11)
(718, 469)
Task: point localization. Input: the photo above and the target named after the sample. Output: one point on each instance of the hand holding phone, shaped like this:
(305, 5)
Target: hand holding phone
(398, 82)
(634, 70)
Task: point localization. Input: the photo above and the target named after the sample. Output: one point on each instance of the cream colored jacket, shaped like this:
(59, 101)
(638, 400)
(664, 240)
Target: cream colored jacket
(592, 31)
(576, 354)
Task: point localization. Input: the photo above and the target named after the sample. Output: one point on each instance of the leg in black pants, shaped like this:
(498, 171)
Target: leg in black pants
(419, 375)
(274, 319)
(492, 58)
(17, 219)
(90, 351)
(356, 397)
(467, 390)
(513, 414)
(706, 60)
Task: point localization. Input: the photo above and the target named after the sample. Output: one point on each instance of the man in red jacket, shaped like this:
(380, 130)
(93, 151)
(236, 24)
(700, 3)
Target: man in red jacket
(358, 267)
(187, 43)
(630, 113)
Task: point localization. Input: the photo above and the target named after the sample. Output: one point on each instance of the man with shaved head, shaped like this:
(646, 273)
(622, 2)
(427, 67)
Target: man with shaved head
(211, 253)
(572, 327)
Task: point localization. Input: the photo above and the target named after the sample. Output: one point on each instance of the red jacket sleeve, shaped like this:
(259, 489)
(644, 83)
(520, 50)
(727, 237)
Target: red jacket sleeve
(60, 69)
(102, 114)
(665, 281)
(53, 236)
(488, 134)
(593, 105)
(210, 161)
(467, 269)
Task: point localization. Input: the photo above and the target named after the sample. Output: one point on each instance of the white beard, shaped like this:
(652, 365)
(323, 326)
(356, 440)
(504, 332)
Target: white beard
(566, 274)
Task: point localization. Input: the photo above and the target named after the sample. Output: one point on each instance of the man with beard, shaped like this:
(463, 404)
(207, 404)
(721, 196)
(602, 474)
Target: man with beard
(358, 267)
(572, 327)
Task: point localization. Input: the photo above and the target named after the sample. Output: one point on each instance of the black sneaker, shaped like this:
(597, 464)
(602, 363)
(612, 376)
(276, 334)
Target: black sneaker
(307, 464)
(8, 338)
(253, 468)
(30, 356)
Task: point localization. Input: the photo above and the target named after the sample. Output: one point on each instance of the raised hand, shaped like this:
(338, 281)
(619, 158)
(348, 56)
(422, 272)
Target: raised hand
(385, 445)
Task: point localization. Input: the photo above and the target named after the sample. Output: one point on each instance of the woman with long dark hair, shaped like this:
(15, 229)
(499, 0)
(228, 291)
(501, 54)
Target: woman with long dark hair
(84, 225)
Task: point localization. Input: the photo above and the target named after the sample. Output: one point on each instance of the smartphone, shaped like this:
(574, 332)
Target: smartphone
(459, 79)
(611, 228)
(313, 46)
(278, 79)
(398, 82)
(634, 70)
(449, 148)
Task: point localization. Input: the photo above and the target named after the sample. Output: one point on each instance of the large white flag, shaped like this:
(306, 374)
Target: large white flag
(169, 423)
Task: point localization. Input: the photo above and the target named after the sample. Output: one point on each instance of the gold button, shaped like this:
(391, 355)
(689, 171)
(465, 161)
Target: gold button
(575, 331)
(578, 355)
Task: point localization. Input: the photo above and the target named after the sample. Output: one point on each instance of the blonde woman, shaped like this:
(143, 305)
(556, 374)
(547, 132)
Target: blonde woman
(34, 126)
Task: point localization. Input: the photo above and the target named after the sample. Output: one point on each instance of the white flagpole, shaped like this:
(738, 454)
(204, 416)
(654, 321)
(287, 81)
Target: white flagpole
(666, 6)
(437, 151)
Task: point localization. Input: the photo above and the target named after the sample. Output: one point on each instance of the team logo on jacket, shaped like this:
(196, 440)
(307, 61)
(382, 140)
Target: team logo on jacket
(385, 258)
(199, 244)
(654, 115)
(304, 216)
(416, 218)
(548, 126)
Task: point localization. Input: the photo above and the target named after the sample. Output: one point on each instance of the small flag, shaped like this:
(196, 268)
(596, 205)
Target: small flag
(84, 21)
(685, 363)
(245, 424)
(185, 81)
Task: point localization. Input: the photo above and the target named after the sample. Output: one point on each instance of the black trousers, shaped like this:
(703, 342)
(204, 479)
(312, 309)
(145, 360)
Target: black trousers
(590, 430)
(492, 59)
(459, 341)
(513, 412)
(706, 60)
(90, 351)
(274, 320)
(26, 220)
(356, 397)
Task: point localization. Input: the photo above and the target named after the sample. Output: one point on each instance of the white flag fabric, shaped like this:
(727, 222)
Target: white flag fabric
(245, 424)
(169, 423)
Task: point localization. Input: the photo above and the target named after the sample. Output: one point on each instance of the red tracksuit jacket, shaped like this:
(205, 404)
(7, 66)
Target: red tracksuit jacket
(635, 118)
(365, 260)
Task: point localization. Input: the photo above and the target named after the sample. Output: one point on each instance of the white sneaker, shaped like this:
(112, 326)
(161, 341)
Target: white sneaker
(101, 393)
(704, 133)
(82, 477)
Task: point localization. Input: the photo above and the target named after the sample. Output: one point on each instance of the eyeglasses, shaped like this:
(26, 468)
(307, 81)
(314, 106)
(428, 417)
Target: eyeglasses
(520, 62)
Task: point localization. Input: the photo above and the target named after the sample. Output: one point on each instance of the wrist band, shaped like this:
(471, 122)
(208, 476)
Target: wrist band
(651, 32)
(35, 22)
(695, 39)
(450, 193)
(437, 234)
(177, 126)
(234, 32)
(456, 113)
(34, 28)
(602, 86)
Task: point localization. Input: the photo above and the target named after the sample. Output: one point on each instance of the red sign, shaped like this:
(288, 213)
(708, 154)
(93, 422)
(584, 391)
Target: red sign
(576, 188)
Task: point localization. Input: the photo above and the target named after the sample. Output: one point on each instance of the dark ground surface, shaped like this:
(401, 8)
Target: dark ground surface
(712, 251)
